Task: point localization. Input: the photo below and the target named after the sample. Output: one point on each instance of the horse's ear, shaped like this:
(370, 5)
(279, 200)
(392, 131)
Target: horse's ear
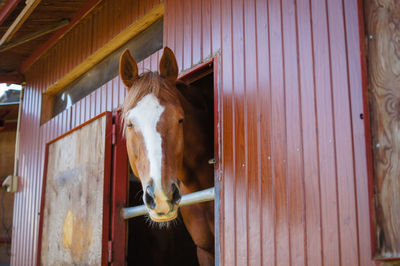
(128, 69)
(168, 65)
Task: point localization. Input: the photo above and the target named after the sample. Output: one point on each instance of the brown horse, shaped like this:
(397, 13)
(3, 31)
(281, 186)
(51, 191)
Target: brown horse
(168, 143)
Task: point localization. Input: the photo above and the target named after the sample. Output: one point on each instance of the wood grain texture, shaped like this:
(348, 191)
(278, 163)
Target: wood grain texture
(383, 25)
(73, 201)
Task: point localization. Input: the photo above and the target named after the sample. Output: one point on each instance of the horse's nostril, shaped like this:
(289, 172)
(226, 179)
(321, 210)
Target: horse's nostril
(176, 195)
(149, 198)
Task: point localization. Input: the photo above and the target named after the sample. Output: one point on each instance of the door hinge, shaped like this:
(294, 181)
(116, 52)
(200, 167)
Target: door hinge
(114, 135)
(110, 251)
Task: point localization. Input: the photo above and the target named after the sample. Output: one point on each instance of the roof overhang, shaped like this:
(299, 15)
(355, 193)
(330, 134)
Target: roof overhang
(29, 28)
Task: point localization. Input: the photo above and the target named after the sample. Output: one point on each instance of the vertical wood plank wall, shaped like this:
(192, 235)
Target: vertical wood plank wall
(87, 37)
(294, 187)
(294, 184)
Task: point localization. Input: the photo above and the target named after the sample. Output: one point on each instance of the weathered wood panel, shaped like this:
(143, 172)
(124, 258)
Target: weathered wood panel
(72, 226)
(383, 27)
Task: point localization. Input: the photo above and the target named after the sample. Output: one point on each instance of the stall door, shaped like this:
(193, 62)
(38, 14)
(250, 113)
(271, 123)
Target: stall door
(74, 226)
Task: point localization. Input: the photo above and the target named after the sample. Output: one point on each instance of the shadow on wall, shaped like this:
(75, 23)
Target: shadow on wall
(7, 146)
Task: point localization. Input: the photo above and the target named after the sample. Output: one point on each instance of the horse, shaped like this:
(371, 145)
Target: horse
(168, 143)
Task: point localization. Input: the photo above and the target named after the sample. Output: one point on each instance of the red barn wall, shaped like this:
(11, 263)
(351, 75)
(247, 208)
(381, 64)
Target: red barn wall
(294, 184)
(94, 31)
(294, 187)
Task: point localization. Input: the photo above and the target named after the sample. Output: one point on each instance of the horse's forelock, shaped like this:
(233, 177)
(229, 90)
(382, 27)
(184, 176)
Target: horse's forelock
(148, 82)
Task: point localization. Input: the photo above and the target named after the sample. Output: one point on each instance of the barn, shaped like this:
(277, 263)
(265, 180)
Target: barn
(306, 108)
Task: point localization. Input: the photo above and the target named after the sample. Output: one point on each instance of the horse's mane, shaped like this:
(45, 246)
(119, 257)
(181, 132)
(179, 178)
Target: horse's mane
(146, 83)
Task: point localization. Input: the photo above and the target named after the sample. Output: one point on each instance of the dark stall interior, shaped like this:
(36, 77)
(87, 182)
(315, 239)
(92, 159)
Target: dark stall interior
(148, 244)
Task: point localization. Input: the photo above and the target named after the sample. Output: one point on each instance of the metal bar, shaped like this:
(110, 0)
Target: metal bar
(189, 199)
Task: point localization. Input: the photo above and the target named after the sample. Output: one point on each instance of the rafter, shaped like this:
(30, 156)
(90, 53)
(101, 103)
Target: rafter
(22, 17)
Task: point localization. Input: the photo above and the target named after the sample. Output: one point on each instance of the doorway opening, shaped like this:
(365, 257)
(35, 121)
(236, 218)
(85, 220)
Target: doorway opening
(150, 245)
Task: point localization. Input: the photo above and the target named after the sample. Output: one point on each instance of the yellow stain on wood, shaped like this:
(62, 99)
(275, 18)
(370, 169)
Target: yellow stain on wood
(124, 36)
(82, 238)
(68, 230)
(77, 235)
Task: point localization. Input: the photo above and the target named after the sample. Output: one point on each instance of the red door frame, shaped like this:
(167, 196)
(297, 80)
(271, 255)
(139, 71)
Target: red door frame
(106, 185)
(199, 71)
(118, 236)
(118, 242)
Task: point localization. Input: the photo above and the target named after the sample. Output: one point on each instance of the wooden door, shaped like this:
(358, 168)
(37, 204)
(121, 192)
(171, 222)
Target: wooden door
(74, 224)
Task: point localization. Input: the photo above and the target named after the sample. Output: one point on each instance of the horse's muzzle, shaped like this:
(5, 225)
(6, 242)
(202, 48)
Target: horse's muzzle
(162, 210)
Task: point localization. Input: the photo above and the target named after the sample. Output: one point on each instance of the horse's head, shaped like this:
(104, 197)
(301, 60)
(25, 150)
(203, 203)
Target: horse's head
(153, 119)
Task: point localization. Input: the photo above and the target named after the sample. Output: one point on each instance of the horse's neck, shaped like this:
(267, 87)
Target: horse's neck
(198, 148)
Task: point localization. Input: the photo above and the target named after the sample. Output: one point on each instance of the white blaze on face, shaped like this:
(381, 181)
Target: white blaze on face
(144, 117)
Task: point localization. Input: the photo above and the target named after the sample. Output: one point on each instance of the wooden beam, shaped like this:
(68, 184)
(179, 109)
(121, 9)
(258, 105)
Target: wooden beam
(124, 36)
(13, 77)
(7, 9)
(382, 24)
(34, 35)
(78, 16)
(22, 17)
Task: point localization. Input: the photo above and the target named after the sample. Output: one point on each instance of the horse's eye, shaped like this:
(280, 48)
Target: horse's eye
(130, 125)
(180, 121)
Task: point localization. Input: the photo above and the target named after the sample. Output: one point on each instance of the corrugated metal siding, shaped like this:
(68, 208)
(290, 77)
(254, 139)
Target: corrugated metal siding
(71, 50)
(294, 182)
(294, 187)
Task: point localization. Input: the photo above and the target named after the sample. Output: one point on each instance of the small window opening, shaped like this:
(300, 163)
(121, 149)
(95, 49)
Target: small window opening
(9, 94)
(141, 46)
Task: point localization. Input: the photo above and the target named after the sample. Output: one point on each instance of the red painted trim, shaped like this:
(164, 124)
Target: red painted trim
(119, 194)
(14, 77)
(78, 127)
(367, 126)
(197, 70)
(39, 243)
(107, 177)
(107, 189)
(192, 74)
(7, 9)
(216, 115)
(59, 34)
